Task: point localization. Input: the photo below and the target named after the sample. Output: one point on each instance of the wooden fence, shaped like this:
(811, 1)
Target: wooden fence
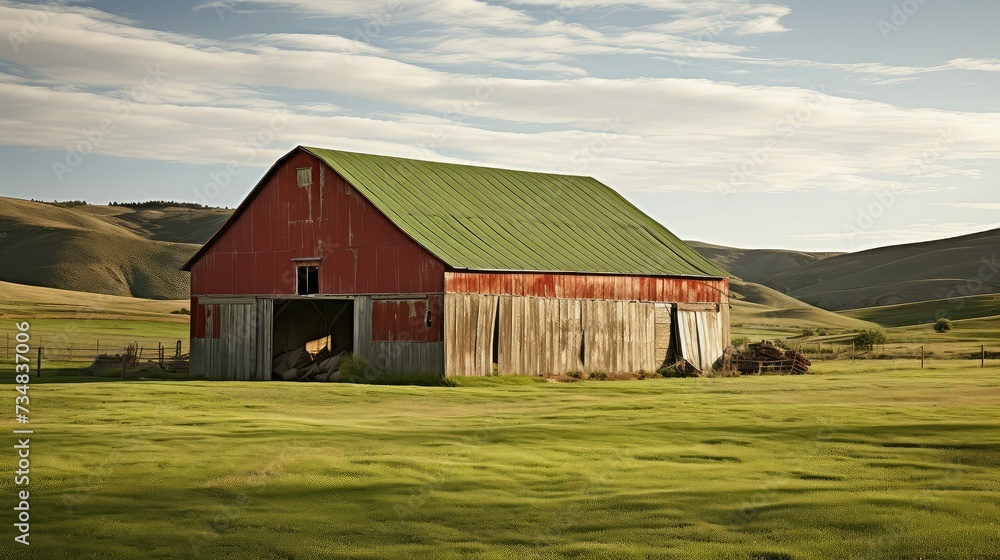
(170, 356)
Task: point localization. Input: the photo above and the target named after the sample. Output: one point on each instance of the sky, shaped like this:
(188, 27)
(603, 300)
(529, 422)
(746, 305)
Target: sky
(815, 126)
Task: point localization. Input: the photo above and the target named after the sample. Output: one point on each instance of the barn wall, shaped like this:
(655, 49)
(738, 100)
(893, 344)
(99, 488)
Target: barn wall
(362, 251)
(591, 286)
(231, 346)
(403, 356)
(541, 336)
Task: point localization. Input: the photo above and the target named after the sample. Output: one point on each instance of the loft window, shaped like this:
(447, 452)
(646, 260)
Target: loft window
(304, 176)
(307, 280)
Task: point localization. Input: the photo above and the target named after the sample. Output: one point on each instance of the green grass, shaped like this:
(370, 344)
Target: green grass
(113, 335)
(858, 461)
(926, 312)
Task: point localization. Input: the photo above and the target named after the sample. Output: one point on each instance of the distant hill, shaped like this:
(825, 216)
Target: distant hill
(20, 300)
(758, 305)
(757, 265)
(946, 268)
(926, 312)
(99, 249)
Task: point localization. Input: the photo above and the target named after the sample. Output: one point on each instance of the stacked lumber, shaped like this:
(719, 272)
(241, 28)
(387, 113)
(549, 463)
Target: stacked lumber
(299, 365)
(765, 357)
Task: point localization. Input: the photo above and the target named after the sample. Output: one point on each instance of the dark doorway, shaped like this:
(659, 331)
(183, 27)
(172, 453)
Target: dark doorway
(298, 321)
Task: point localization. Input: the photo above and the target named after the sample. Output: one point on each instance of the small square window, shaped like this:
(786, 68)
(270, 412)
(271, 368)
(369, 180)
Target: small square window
(304, 176)
(307, 280)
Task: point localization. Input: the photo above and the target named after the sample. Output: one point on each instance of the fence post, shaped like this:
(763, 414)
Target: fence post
(982, 356)
(98, 347)
(38, 364)
(853, 350)
(921, 357)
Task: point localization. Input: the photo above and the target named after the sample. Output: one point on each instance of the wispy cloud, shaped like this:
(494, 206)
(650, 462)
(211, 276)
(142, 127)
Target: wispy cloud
(973, 205)
(670, 134)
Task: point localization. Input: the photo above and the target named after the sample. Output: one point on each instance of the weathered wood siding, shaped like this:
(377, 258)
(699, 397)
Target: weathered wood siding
(265, 337)
(541, 336)
(403, 357)
(701, 336)
(469, 321)
(230, 349)
(663, 340)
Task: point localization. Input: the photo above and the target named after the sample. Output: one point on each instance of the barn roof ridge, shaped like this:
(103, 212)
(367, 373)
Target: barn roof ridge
(493, 219)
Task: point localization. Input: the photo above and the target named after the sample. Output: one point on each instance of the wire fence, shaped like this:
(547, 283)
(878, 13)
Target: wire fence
(923, 353)
(170, 356)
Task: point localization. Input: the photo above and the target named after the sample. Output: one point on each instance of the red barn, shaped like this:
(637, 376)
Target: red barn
(431, 267)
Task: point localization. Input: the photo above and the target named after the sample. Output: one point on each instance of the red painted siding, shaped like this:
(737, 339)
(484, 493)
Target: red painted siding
(406, 320)
(590, 286)
(362, 251)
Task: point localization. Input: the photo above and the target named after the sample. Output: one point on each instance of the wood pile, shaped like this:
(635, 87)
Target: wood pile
(765, 357)
(299, 365)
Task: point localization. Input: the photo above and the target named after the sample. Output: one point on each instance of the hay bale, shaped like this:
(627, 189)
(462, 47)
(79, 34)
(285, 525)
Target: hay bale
(308, 371)
(304, 360)
(281, 368)
(292, 356)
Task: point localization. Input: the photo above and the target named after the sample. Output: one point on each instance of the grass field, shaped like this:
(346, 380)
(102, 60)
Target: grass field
(926, 312)
(853, 462)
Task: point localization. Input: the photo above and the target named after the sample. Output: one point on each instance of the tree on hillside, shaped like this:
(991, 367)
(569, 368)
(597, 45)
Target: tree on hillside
(942, 325)
(866, 340)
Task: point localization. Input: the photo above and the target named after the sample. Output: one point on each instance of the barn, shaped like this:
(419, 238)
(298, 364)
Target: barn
(426, 267)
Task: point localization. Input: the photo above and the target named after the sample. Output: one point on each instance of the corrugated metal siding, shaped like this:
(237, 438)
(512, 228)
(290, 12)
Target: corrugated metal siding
(590, 286)
(398, 357)
(362, 251)
(482, 218)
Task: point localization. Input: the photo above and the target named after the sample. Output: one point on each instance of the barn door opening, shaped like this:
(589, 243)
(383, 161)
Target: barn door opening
(312, 330)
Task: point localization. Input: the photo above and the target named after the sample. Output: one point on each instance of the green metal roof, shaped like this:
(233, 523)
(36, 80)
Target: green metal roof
(482, 218)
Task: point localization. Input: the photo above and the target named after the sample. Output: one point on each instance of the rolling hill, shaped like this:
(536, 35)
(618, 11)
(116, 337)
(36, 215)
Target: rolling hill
(943, 269)
(947, 268)
(756, 306)
(757, 265)
(926, 312)
(18, 301)
(103, 250)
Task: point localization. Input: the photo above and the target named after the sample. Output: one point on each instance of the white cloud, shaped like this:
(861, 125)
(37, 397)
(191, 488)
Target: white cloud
(914, 233)
(635, 133)
(973, 205)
